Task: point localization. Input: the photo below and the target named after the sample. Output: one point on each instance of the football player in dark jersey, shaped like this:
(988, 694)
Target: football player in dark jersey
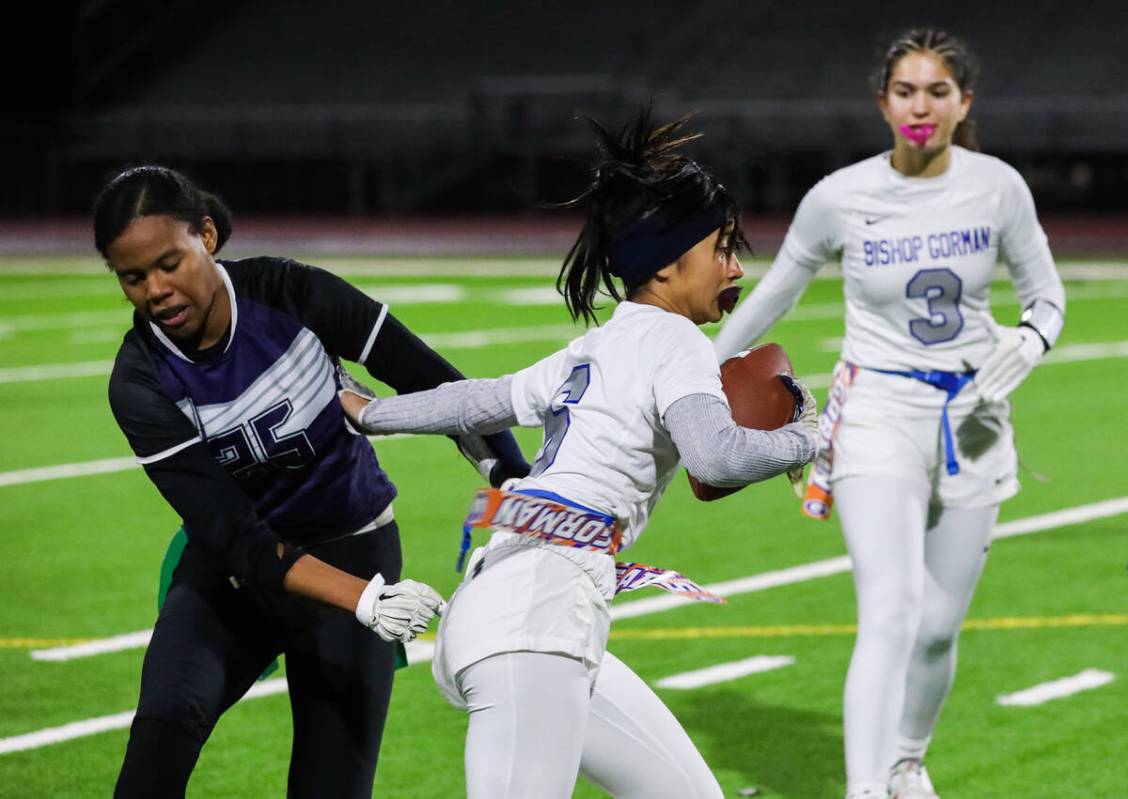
(226, 388)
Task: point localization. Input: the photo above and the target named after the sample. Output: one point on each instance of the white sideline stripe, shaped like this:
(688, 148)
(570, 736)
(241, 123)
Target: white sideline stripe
(1071, 353)
(417, 652)
(67, 732)
(1061, 518)
(423, 651)
(54, 371)
(1086, 680)
(743, 585)
(102, 646)
(503, 335)
(421, 294)
(117, 721)
(531, 295)
(61, 470)
(107, 466)
(724, 672)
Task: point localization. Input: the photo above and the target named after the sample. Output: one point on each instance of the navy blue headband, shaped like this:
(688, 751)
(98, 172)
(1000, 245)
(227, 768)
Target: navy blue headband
(648, 245)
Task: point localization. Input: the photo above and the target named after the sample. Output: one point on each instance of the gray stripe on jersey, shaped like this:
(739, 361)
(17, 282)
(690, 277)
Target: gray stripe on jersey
(717, 451)
(304, 374)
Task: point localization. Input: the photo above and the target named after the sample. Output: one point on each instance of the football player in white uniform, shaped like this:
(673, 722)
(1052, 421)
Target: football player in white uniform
(522, 647)
(917, 446)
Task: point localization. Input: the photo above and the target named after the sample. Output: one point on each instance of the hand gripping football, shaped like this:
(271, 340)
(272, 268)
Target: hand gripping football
(759, 399)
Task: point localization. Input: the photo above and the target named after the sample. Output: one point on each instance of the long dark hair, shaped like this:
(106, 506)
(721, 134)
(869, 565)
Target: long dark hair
(955, 54)
(639, 171)
(152, 191)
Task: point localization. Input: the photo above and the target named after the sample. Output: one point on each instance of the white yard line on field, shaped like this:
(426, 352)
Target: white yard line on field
(105, 466)
(62, 470)
(471, 339)
(840, 565)
(724, 672)
(101, 646)
(417, 652)
(55, 371)
(420, 294)
(1071, 353)
(1039, 694)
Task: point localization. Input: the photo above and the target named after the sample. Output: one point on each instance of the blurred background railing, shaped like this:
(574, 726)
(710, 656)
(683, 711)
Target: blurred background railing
(343, 107)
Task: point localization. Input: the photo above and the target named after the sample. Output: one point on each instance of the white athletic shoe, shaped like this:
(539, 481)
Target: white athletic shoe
(908, 779)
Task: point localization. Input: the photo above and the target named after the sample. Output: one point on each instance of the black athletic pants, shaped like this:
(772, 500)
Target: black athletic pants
(212, 640)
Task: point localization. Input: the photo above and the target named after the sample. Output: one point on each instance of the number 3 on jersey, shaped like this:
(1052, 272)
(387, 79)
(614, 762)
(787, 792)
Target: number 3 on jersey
(942, 288)
(558, 420)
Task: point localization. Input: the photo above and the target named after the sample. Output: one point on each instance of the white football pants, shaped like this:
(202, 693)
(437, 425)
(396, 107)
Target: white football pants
(915, 570)
(535, 722)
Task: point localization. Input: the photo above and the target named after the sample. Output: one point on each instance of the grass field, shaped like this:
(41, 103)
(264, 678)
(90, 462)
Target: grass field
(82, 534)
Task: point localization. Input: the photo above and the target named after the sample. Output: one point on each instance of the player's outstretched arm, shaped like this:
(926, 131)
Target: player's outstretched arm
(719, 452)
(464, 407)
(496, 457)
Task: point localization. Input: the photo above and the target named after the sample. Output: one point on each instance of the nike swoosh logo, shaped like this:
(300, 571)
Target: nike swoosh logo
(875, 219)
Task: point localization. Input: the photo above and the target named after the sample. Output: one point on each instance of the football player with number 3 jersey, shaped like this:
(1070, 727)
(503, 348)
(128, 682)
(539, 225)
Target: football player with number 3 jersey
(917, 449)
(523, 646)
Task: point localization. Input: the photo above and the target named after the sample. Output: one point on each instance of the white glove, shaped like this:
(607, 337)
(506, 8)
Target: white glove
(808, 418)
(350, 383)
(1017, 351)
(400, 611)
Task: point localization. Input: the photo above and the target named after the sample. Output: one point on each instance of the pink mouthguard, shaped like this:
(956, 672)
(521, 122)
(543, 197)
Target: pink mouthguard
(917, 135)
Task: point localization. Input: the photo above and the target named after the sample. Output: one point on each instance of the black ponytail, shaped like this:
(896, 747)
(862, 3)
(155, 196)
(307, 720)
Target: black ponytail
(152, 191)
(639, 172)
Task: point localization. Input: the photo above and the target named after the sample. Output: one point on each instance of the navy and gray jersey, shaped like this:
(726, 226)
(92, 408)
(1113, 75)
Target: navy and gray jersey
(247, 440)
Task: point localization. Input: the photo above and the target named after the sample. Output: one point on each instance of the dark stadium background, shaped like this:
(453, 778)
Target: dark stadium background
(389, 122)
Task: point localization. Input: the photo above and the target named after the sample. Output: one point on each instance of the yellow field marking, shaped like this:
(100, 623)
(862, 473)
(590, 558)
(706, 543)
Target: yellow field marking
(40, 643)
(784, 630)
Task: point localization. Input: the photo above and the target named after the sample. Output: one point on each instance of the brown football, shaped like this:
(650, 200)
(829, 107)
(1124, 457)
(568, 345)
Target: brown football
(759, 399)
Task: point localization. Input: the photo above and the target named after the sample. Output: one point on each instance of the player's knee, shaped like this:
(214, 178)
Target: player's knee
(895, 624)
(183, 712)
(937, 647)
(936, 641)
